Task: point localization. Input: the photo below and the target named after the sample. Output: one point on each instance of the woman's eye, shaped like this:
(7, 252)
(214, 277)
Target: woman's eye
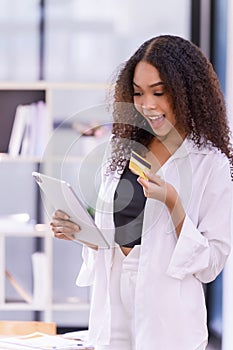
(159, 93)
(137, 93)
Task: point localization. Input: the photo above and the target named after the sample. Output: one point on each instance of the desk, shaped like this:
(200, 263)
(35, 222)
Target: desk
(27, 348)
(41, 341)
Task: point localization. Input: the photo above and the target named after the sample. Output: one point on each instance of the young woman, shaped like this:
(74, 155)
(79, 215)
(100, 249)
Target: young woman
(170, 231)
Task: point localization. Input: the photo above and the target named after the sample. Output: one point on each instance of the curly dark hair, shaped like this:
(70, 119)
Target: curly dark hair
(197, 98)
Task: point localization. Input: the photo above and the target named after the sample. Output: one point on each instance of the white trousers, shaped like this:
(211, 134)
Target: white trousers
(122, 296)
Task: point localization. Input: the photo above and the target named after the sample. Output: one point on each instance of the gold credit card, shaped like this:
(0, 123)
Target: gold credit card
(138, 165)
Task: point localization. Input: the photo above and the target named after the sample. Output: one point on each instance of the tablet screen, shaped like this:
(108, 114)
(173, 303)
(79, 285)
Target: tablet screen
(60, 195)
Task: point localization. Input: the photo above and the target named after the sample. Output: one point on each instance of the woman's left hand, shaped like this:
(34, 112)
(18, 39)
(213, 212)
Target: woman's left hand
(163, 191)
(158, 189)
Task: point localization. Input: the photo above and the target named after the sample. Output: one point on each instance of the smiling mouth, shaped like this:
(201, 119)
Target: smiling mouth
(155, 117)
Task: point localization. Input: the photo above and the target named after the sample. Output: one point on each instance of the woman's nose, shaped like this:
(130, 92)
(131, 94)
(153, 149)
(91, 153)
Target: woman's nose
(148, 103)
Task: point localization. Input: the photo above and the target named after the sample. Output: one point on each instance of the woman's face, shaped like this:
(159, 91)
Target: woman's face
(152, 100)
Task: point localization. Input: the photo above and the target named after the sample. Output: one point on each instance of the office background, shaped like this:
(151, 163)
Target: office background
(84, 41)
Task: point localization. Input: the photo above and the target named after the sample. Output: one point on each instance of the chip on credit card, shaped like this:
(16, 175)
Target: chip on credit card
(139, 165)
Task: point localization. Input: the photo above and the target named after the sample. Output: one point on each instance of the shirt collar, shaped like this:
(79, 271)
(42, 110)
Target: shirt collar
(188, 147)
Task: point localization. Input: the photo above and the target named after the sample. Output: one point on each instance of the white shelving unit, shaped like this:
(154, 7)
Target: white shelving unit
(30, 232)
(53, 93)
(50, 306)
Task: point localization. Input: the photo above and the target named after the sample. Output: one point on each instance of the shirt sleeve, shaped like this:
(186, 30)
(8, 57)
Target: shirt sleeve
(87, 271)
(202, 249)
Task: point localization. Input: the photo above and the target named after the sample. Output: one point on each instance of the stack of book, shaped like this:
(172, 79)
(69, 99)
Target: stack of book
(30, 130)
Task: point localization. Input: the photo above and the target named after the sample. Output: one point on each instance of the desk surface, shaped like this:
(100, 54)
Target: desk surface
(28, 348)
(45, 341)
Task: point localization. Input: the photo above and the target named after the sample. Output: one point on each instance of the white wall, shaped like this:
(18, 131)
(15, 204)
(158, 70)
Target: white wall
(86, 41)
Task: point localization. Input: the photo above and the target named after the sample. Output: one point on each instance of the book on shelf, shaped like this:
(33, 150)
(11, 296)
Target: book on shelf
(29, 137)
(29, 133)
(17, 132)
(42, 128)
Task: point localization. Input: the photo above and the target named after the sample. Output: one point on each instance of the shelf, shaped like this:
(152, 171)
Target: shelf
(5, 157)
(18, 306)
(27, 231)
(53, 307)
(70, 306)
(44, 85)
(58, 98)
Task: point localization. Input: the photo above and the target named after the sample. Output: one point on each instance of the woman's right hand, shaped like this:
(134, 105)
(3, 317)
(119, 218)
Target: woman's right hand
(62, 226)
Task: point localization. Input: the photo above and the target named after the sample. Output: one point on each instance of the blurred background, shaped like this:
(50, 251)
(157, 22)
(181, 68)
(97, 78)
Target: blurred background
(65, 51)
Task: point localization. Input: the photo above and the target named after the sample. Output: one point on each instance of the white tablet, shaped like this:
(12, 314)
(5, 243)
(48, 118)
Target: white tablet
(60, 195)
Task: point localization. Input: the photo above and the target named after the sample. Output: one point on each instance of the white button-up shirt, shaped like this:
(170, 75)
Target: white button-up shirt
(170, 311)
